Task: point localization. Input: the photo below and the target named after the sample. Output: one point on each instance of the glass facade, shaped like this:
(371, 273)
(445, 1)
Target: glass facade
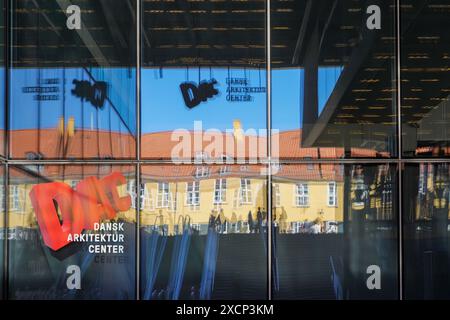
(222, 149)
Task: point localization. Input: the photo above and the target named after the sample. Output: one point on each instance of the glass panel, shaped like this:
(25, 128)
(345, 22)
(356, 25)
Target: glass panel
(203, 79)
(72, 232)
(343, 248)
(425, 50)
(2, 229)
(2, 76)
(203, 249)
(426, 231)
(333, 74)
(73, 74)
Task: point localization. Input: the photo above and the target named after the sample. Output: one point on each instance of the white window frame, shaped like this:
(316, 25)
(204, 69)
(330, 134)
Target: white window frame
(277, 195)
(202, 172)
(220, 191)
(14, 198)
(245, 194)
(147, 202)
(224, 170)
(131, 190)
(301, 198)
(192, 193)
(332, 195)
(163, 195)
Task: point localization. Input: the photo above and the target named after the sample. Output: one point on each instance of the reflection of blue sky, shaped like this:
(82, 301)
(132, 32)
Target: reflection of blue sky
(328, 77)
(163, 107)
(27, 113)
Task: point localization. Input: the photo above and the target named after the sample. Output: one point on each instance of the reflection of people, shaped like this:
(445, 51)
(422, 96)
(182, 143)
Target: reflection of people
(234, 221)
(316, 227)
(283, 221)
(259, 220)
(250, 222)
(218, 223)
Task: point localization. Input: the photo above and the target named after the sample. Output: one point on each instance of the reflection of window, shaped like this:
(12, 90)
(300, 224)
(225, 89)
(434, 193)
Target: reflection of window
(193, 193)
(201, 156)
(220, 191)
(131, 189)
(147, 202)
(14, 198)
(296, 227)
(277, 195)
(224, 170)
(332, 194)
(246, 192)
(301, 195)
(163, 195)
(202, 172)
(2, 198)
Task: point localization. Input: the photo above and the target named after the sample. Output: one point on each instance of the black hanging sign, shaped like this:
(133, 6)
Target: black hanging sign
(94, 93)
(193, 95)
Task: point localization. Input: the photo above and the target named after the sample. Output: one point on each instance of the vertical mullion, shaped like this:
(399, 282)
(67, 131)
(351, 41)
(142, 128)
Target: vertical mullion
(138, 144)
(269, 151)
(399, 148)
(5, 234)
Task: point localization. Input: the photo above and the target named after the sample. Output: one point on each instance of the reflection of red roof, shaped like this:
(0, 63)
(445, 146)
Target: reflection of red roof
(91, 144)
(84, 144)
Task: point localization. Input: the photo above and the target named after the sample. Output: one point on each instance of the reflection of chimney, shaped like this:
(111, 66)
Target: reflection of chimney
(71, 127)
(61, 126)
(237, 130)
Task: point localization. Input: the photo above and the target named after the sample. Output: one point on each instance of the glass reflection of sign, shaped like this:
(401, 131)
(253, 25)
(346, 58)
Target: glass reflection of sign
(93, 201)
(47, 90)
(94, 93)
(239, 90)
(193, 95)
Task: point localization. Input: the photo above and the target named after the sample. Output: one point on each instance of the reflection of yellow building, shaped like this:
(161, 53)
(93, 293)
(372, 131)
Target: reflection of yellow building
(235, 193)
(164, 203)
(21, 212)
(229, 191)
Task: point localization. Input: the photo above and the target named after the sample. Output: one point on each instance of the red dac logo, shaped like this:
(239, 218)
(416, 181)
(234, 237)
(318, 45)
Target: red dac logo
(94, 200)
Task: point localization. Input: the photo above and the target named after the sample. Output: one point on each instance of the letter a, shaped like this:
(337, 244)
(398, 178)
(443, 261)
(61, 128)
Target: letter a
(73, 18)
(374, 20)
(374, 281)
(74, 280)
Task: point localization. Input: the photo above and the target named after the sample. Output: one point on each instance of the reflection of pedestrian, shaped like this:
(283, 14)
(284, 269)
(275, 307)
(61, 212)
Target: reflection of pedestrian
(250, 221)
(234, 222)
(212, 221)
(259, 219)
(218, 224)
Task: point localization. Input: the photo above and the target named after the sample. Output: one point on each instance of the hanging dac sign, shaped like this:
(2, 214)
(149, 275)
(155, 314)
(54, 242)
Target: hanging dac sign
(94, 93)
(193, 95)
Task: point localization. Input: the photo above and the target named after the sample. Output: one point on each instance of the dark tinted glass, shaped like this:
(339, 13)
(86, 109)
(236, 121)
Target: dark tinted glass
(73, 74)
(333, 79)
(426, 230)
(72, 232)
(335, 232)
(425, 49)
(203, 232)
